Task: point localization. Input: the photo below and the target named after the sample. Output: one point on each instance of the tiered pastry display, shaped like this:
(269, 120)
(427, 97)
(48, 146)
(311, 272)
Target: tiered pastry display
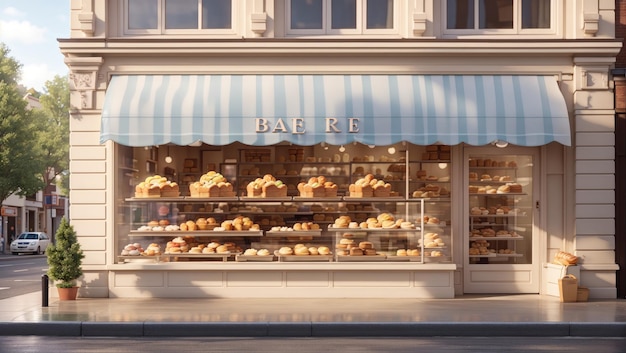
(239, 223)
(190, 245)
(369, 186)
(318, 187)
(211, 184)
(348, 246)
(304, 252)
(157, 186)
(382, 221)
(268, 186)
(495, 198)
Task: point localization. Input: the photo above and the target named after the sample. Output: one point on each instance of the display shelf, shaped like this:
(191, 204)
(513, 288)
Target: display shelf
(255, 258)
(295, 233)
(224, 257)
(361, 258)
(197, 233)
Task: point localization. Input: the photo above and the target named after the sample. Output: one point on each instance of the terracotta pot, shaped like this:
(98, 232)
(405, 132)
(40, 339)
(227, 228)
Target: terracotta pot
(67, 293)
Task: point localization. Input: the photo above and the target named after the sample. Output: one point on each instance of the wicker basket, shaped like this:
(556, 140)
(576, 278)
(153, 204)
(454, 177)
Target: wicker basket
(582, 295)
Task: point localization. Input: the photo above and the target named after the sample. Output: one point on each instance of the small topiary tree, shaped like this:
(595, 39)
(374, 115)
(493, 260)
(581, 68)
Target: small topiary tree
(65, 257)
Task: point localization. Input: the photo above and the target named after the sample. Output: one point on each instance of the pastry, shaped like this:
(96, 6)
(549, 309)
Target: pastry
(285, 250)
(366, 245)
(323, 250)
(250, 252)
(302, 250)
(401, 252)
(356, 252)
(263, 252)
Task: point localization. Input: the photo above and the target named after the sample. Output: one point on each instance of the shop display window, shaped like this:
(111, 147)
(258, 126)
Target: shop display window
(318, 203)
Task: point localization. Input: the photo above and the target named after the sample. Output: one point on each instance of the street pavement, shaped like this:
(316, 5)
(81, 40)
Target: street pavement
(496, 315)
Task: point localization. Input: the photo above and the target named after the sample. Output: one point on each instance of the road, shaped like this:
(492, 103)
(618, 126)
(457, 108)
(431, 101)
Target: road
(21, 274)
(28, 344)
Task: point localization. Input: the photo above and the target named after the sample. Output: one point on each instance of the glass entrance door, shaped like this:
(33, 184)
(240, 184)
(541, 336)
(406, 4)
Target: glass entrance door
(501, 245)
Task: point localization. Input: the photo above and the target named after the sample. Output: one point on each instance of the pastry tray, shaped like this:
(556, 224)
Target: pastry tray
(361, 258)
(294, 233)
(223, 256)
(303, 258)
(138, 258)
(411, 258)
(254, 258)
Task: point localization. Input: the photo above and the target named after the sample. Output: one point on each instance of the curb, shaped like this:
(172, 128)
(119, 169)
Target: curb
(313, 329)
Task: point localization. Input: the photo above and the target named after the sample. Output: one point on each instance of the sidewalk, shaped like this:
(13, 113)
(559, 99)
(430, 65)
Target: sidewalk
(476, 315)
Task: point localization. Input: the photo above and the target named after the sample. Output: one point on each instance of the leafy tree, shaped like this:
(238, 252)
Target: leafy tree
(53, 135)
(20, 168)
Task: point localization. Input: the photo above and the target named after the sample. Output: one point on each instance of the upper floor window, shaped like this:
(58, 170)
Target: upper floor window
(503, 16)
(341, 16)
(175, 16)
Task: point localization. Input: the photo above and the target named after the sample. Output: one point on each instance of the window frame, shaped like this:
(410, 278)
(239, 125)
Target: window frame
(161, 30)
(517, 30)
(361, 21)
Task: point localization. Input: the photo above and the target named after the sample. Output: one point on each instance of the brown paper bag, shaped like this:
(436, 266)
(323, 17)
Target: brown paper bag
(568, 289)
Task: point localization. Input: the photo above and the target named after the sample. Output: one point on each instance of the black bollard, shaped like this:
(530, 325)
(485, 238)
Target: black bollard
(44, 290)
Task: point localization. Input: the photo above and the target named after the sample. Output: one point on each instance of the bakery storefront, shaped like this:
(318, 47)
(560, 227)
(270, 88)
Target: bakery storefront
(328, 185)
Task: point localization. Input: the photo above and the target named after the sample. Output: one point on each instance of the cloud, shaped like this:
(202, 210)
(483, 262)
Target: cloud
(36, 75)
(21, 32)
(13, 12)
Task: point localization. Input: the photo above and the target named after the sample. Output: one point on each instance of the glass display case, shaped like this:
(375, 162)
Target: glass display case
(500, 210)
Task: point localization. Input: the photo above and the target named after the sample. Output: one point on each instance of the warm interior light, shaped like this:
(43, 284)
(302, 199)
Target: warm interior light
(168, 158)
(443, 165)
(501, 144)
(342, 149)
(391, 150)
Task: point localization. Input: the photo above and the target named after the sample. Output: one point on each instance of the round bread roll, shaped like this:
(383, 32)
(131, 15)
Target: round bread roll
(346, 241)
(313, 251)
(301, 251)
(250, 252)
(369, 252)
(401, 252)
(222, 249)
(323, 250)
(285, 250)
(153, 223)
(263, 252)
(366, 245)
(356, 252)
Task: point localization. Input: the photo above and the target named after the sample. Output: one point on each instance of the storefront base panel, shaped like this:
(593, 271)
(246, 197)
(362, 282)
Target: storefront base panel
(306, 282)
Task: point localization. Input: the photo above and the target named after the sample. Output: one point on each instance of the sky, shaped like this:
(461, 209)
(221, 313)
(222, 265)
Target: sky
(30, 29)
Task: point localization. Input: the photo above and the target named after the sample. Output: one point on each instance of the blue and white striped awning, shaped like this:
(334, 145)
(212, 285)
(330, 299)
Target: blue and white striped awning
(147, 110)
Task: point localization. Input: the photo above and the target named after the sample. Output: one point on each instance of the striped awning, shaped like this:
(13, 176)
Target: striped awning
(147, 110)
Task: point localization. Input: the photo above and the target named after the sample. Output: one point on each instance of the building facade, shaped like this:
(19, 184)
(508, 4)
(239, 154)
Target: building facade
(443, 101)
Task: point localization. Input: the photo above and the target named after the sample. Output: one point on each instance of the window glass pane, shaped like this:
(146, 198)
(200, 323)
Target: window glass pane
(496, 13)
(143, 14)
(535, 13)
(379, 14)
(181, 14)
(343, 13)
(460, 14)
(216, 13)
(306, 14)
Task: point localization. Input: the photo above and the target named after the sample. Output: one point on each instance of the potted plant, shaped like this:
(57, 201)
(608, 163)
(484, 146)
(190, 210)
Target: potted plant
(65, 260)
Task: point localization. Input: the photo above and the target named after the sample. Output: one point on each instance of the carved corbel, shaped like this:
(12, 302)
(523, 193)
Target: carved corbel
(419, 24)
(83, 79)
(258, 23)
(590, 23)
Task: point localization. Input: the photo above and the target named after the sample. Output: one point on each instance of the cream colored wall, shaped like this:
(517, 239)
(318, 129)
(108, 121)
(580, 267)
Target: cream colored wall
(580, 190)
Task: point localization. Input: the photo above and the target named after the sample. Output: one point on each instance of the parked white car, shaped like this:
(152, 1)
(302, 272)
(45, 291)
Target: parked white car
(33, 242)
